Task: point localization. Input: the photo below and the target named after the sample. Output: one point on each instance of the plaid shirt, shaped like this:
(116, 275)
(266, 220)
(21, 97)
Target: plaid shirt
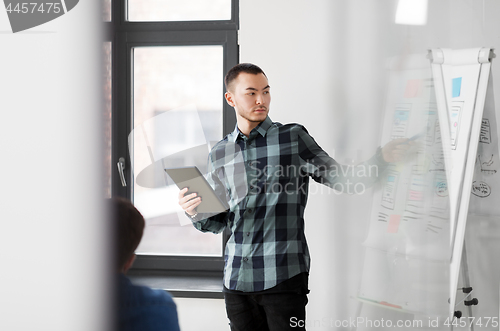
(264, 178)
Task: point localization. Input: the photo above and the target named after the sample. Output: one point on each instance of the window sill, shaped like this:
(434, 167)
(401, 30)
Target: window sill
(207, 285)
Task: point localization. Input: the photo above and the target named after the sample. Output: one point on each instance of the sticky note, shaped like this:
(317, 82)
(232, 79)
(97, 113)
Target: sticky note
(413, 88)
(456, 87)
(390, 304)
(393, 223)
(416, 195)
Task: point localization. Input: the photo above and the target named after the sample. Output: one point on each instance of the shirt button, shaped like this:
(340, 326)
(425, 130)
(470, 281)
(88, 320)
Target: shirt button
(245, 259)
(251, 187)
(250, 210)
(248, 233)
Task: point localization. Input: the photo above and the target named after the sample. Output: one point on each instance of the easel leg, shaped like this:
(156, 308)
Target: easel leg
(466, 286)
(465, 274)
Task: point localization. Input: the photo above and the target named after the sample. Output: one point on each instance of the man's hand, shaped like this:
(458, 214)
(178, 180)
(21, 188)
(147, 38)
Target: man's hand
(395, 150)
(189, 202)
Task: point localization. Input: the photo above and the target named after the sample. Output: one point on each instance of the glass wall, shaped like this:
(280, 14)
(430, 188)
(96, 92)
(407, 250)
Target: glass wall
(359, 75)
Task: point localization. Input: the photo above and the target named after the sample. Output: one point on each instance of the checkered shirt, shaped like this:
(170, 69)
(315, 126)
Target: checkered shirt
(264, 179)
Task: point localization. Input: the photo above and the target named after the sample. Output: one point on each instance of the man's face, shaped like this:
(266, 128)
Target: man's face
(249, 95)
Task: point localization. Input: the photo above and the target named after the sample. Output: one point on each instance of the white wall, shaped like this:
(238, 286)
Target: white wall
(53, 238)
(201, 314)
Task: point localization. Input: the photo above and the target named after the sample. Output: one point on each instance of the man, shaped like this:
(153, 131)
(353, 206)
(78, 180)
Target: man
(267, 258)
(139, 308)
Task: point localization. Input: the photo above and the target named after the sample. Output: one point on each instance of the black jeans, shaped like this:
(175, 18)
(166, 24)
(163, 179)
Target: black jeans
(282, 307)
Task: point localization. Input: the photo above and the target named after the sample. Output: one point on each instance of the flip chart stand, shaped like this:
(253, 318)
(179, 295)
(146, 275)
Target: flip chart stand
(452, 98)
(466, 290)
(452, 68)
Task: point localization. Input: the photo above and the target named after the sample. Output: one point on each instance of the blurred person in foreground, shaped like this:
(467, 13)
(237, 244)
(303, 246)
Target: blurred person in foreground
(140, 308)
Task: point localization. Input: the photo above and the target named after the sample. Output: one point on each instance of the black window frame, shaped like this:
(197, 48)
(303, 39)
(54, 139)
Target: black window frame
(125, 36)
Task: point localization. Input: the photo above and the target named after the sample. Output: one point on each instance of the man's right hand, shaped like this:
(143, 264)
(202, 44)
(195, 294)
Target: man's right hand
(189, 202)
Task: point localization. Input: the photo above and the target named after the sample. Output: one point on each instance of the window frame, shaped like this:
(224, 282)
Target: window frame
(125, 36)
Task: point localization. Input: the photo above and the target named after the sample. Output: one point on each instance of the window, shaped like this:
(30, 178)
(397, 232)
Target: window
(106, 10)
(175, 10)
(177, 111)
(168, 63)
(106, 117)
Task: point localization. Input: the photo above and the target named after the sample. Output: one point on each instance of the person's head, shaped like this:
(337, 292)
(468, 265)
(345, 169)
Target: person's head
(129, 225)
(235, 71)
(248, 92)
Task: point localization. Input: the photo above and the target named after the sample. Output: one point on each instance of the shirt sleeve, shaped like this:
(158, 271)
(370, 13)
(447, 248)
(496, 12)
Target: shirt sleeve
(325, 170)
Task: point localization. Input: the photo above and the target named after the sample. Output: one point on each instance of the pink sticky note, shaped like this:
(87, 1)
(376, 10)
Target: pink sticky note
(416, 195)
(413, 88)
(393, 223)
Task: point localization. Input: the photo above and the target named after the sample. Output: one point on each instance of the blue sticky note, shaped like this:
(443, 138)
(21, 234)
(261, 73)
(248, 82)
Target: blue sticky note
(456, 87)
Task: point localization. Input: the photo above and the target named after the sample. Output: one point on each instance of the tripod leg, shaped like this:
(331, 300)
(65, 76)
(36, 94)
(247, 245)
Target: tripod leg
(465, 275)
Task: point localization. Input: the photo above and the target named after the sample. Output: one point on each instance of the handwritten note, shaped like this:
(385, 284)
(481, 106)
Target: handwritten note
(485, 135)
(481, 189)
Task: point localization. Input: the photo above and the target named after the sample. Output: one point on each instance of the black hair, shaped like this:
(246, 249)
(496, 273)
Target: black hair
(233, 73)
(129, 226)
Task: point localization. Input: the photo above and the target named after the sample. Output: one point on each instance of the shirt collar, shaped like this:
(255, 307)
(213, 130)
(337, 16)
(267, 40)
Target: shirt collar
(262, 129)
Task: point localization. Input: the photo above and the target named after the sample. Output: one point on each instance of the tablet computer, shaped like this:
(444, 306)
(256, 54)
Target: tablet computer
(192, 178)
